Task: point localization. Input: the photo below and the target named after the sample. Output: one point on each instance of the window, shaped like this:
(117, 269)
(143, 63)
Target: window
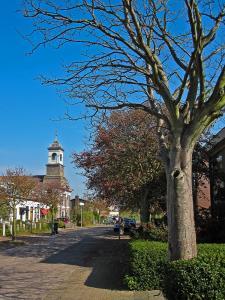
(54, 156)
(60, 157)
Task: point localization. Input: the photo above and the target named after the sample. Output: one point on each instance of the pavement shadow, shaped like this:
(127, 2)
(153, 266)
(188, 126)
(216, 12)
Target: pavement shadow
(96, 248)
(105, 254)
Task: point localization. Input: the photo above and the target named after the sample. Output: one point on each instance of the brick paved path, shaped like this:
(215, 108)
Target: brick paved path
(76, 264)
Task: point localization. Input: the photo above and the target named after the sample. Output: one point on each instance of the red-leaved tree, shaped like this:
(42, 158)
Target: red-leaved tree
(122, 165)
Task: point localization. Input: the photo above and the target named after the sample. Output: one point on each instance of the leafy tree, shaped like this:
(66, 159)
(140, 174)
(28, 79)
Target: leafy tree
(168, 53)
(15, 188)
(99, 206)
(122, 165)
(50, 194)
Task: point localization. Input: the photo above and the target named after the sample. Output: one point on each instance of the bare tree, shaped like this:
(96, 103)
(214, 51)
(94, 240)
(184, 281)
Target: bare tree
(15, 188)
(165, 57)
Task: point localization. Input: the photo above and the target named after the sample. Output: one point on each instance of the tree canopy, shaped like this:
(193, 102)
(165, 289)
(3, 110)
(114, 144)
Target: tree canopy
(123, 161)
(159, 51)
(15, 188)
(164, 57)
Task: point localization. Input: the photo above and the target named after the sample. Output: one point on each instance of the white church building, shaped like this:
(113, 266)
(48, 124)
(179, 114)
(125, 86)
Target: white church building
(34, 211)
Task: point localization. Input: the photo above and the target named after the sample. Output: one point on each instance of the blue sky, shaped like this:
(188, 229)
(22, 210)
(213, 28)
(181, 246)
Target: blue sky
(27, 109)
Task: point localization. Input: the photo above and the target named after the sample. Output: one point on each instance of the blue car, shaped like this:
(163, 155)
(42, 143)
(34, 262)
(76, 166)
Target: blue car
(128, 224)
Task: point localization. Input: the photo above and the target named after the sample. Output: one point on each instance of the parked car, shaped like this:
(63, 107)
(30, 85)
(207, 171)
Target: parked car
(125, 225)
(128, 224)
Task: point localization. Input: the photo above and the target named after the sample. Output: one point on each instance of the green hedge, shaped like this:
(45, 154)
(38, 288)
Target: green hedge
(196, 279)
(145, 265)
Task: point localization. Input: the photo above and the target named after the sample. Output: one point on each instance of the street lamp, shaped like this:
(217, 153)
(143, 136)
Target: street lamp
(81, 213)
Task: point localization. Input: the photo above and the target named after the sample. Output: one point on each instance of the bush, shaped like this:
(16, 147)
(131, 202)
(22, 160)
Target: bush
(87, 217)
(61, 224)
(197, 279)
(40, 227)
(215, 231)
(151, 233)
(145, 263)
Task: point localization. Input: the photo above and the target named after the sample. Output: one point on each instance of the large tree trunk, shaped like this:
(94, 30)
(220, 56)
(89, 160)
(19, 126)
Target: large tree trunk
(180, 212)
(144, 207)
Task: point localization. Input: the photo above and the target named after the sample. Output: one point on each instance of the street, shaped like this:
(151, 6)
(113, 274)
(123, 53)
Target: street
(75, 264)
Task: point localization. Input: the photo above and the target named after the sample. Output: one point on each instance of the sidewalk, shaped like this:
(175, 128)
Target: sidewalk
(85, 264)
(98, 273)
(75, 289)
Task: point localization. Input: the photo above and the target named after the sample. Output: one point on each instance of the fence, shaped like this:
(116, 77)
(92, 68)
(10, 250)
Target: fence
(24, 227)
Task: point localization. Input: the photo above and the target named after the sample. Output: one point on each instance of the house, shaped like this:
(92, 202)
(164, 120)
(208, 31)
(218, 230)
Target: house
(217, 175)
(75, 202)
(211, 191)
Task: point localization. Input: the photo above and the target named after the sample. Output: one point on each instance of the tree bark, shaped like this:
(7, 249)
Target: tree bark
(144, 207)
(53, 213)
(181, 227)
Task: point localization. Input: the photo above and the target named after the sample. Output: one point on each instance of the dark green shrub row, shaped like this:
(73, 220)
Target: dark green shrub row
(145, 265)
(199, 278)
(152, 233)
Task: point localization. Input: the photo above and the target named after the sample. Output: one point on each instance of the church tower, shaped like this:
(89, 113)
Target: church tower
(55, 174)
(55, 166)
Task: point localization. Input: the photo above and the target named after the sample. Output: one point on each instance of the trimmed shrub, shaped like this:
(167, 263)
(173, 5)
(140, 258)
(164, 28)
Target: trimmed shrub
(145, 265)
(195, 279)
(199, 278)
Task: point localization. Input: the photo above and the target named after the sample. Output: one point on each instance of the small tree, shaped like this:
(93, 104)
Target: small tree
(50, 194)
(15, 188)
(99, 205)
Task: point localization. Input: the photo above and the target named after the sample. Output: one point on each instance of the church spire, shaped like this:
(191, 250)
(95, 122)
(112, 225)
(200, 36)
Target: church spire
(56, 135)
